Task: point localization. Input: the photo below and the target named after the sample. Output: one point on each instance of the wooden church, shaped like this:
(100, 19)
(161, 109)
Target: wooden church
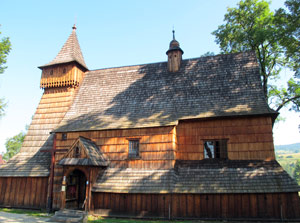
(185, 138)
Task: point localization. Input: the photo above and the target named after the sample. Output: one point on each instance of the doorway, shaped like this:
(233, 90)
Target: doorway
(76, 190)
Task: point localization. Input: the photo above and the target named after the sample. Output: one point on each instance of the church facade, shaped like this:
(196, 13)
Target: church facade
(185, 138)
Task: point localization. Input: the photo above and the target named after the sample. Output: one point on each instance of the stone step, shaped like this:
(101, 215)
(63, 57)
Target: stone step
(69, 216)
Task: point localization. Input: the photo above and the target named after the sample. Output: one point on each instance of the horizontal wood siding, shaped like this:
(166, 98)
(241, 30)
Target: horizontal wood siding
(249, 138)
(225, 206)
(23, 192)
(157, 148)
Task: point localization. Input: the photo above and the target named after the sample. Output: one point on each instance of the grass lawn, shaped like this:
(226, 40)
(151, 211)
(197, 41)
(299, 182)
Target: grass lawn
(93, 219)
(33, 213)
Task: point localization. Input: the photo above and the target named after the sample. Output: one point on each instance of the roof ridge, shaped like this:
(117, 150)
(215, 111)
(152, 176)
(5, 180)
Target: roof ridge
(165, 62)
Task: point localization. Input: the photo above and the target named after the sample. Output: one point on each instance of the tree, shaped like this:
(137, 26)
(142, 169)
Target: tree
(252, 26)
(5, 47)
(289, 24)
(13, 145)
(289, 37)
(296, 174)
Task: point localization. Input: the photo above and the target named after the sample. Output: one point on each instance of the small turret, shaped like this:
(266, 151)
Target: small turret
(67, 68)
(174, 55)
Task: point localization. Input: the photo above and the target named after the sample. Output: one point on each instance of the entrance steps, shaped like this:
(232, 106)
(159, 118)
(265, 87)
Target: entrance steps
(69, 216)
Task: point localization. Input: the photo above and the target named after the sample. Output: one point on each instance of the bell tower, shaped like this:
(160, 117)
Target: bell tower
(67, 68)
(174, 55)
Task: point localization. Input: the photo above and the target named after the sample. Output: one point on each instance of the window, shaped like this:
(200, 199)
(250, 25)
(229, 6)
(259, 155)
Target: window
(77, 152)
(133, 151)
(215, 149)
(64, 136)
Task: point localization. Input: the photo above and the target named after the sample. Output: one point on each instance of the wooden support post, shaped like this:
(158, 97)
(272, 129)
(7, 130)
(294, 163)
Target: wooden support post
(63, 193)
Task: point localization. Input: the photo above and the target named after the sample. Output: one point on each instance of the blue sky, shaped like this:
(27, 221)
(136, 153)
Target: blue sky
(111, 33)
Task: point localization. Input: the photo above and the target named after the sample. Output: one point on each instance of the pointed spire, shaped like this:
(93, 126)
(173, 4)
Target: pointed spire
(69, 52)
(174, 55)
(174, 44)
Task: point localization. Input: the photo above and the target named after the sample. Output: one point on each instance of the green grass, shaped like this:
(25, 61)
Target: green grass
(93, 219)
(27, 212)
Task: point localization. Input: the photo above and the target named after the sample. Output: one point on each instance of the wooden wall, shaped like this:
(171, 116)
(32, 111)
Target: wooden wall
(248, 138)
(157, 150)
(23, 192)
(225, 206)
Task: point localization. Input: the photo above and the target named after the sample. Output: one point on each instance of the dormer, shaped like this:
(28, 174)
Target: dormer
(174, 55)
(67, 68)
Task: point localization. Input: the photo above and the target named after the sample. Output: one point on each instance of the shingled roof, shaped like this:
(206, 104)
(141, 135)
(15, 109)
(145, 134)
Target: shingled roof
(204, 177)
(69, 52)
(148, 95)
(94, 155)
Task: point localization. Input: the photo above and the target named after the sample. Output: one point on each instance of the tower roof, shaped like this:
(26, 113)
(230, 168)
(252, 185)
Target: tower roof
(69, 52)
(174, 44)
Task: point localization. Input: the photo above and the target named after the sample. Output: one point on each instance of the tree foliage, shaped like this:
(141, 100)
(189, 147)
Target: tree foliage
(13, 145)
(296, 174)
(253, 26)
(5, 47)
(289, 24)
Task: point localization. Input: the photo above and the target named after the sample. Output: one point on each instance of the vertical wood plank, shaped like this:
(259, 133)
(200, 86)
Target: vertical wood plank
(38, 192)
(43, 201)
(245, 205)
(276, 205)
(33, 191)
(210, 205)
(197, 206)
(13, 189)
(296, 205)
(204, 210)
(2, 192)
(144, 202)
(160, 204)
(122, 203)
(138, 203)
(224, 205)
(261, 201)
(190, 205)
(113, 201)
(183, 205)
(217, 206)
(269, 206)
(18, 198)
(167, 208)
(175, 205)
(154, 204)
(2, 188)
(7, 191)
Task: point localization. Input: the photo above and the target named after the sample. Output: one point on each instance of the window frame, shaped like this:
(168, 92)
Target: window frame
(134, 152)
(219, 150)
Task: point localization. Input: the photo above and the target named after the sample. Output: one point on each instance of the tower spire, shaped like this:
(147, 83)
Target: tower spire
(70, 52)
(174, 54)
